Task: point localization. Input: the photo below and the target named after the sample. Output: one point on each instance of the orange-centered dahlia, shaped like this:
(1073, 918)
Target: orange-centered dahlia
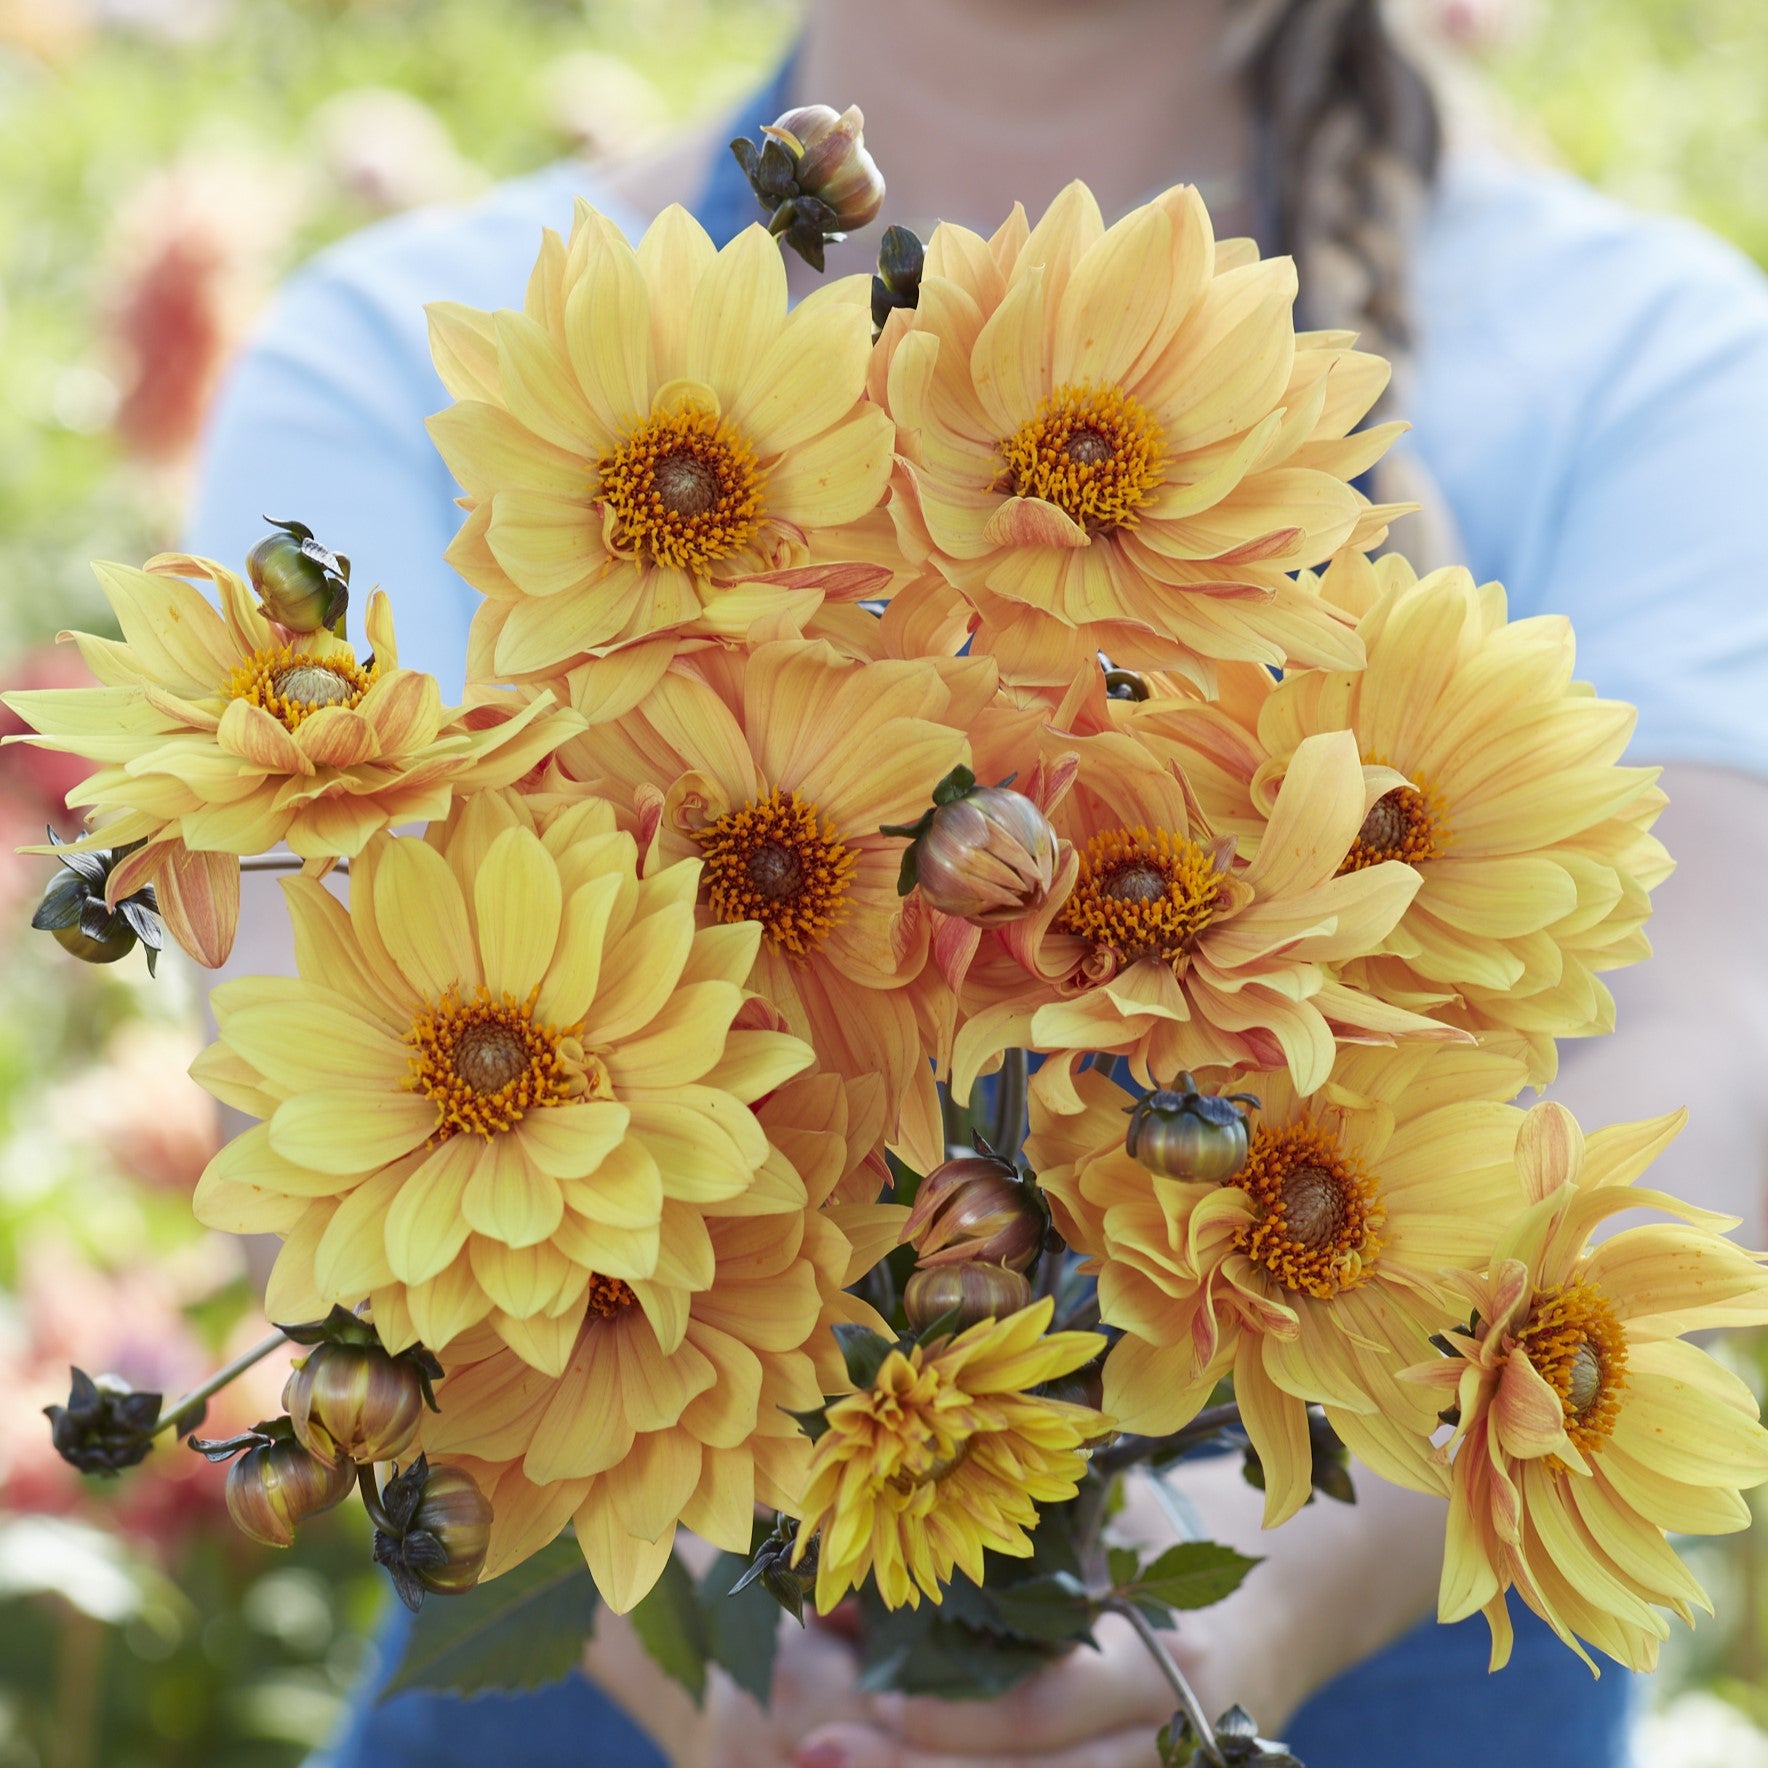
(1315, 1273)
(507, 1087)
(1529, 839)
(655, 447)
(1116, 440)
(1586, 1430)
(218, 734)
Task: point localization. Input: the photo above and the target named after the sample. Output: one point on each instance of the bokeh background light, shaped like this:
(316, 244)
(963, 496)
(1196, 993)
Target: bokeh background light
(162, 164)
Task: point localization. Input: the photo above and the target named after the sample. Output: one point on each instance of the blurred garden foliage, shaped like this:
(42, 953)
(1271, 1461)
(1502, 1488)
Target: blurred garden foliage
(162, 164)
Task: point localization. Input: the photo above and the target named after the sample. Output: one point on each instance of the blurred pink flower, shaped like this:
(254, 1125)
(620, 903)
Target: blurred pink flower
(141, 1106)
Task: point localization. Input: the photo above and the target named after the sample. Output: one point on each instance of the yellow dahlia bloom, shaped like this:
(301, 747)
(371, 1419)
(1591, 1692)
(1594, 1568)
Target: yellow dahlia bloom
(1115, 440)
(1588, 1430)
(218, 734)
(672, 1406)
(505, 1074)
(775, 768)
(1530, 840)
(946, 1454)
(1158, 943)
(654, 445)
(1315, 1273)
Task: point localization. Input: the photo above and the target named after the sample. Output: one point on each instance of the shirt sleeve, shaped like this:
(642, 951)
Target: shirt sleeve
(1654, 549)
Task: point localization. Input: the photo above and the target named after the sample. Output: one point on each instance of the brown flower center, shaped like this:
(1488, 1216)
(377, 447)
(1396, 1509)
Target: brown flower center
(777, 861)
(682, 490)
(608, 1296)
(1092, 451)
(1579, 1348)
(1141, 893)
(291, 685)
(1319, 1217)
(487, 1063)
(1408, 824)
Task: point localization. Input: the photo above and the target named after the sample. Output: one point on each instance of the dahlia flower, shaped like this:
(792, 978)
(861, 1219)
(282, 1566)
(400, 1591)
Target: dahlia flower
(1587, 1430)
(1312, 1274)
(776, 767)
(1530, 840)
(654, 445)
(946, 1454)
(1115, 440)
(1160, 945)
(506, 1074)
(673, 1410)
(221, 734)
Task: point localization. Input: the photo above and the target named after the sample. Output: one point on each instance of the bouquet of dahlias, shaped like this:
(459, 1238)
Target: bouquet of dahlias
(974, 936)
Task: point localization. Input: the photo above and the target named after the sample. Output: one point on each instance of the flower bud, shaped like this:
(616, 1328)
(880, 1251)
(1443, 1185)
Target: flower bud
(301, 584)
(105, 1426)
(354, 1402)
(433, 1531)
(1184, 1134)
(74, 910)
(830, 161)
(276, 1485)
(1083, 1387)
(975, 1207)
(901, 259)
(986, 854)
(975, 1290)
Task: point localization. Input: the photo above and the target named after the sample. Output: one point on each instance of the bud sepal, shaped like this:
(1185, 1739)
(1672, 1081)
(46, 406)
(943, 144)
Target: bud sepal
(432, 1529)
(74, 908)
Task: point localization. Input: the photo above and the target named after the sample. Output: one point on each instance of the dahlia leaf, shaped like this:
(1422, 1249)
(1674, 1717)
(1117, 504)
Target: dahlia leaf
(523, 1630)
(742, 1626)
(671, 1625)
(1193, 1574)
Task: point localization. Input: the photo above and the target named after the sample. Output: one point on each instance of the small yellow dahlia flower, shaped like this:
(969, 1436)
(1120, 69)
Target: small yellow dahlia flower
(1530, 840)
(946, 1454)
(221, 734)
(1315, 1272)
(1588, 1430)
(672, 1406)
(1159, 944)
(1116, 440)
(653, 444)
(506, 1074)
(776, 768)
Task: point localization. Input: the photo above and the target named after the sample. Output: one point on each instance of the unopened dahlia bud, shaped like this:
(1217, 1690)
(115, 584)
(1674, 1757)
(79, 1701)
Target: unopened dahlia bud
(433, 1532)
(813, 177)
(901, 258)
(301, 584)
(986, 854)
(105, 1426)
(1180, 1133)
(975, 1207)
(275, 1485)
(354, 1402)
(970, 1292)
(74, 910)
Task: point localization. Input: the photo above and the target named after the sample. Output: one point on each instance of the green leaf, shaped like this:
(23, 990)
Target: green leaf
(522, 1630)
(743, 1630)
(1193, 1574)
(671, 1626)
(1123, 1563)
(863, 1350)
(1053, 1608)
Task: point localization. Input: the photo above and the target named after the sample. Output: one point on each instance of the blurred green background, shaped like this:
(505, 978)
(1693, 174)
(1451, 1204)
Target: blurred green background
(162, 163)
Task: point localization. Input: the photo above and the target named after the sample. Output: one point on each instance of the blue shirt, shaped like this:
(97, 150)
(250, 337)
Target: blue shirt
(1589, 389)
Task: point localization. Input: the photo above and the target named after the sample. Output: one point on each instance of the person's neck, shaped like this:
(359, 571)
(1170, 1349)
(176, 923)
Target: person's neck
(973, 105)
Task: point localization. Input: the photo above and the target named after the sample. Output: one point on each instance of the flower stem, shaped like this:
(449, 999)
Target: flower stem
(1007, 1127)
(219, 1380)
(371, 1498)
(1175, 1679)
(1128, 1451)
(280, 861)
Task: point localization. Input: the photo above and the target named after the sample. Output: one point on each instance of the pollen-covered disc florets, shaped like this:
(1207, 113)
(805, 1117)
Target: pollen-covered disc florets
(487, 1063)
(1091, 451)
(682, 489)
(1318, 1213)
(1142, 893)
(776, 860)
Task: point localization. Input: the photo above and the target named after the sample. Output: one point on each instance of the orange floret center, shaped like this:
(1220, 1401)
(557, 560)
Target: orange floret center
(486, 1062)
(1142, 893)
(778, 861)
(1579, 1348)
(1319, 1215)
(292, 685)
(608, 1295)
(682, 490)
(1410, 824)
(1091, 451)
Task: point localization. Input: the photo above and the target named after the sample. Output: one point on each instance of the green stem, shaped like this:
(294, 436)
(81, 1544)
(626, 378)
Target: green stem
(1007, 1127)
(219, 1380)
(1175, 1679)
(1128, 1451)
(371, 1498)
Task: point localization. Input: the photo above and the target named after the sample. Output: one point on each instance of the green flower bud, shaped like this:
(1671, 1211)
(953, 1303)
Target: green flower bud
(354, 1402)
(971, 1292)
(75, 911)
(275, 1485)
(1184, 1134)
(975, 1207)
(301, 585)
(901, 257)
(433, 1533)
